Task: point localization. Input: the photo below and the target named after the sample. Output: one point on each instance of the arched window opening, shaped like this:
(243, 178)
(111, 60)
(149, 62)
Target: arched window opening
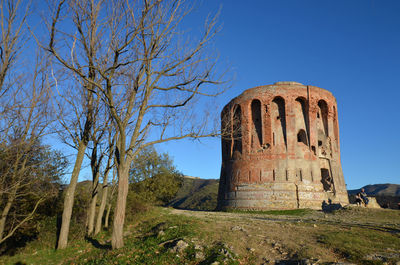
(302, 137)
(237, 130)
(323, 112)
(256, 132)
(279, 114)
(303, 118)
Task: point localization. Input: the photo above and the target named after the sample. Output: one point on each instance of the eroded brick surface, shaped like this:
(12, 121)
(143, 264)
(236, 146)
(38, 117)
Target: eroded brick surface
(281, 149)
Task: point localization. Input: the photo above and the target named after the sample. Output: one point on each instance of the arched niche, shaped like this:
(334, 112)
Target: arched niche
(278, 121)
(237, 130)
(302, 116)
(323, 115)
(256, 124)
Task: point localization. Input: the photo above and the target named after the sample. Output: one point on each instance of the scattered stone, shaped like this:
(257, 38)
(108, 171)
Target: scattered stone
(305, 262)
(198, 247)
(199, 255)
(315, 225)
(161, 233)
(251, 250)
(215, 263)
(180, 246)
(238, 228)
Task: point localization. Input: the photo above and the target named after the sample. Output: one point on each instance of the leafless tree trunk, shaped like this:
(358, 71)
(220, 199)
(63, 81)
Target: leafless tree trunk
(93, 202)
(110, 198)
(104, 196)
(99, 129)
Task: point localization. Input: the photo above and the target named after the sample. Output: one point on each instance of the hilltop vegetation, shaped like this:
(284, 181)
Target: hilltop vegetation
(196, 194)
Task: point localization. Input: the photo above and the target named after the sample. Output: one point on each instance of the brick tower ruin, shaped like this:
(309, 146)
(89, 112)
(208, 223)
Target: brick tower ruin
(281, 149)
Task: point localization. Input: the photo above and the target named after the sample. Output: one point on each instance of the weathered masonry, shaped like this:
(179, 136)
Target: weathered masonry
(281, 149)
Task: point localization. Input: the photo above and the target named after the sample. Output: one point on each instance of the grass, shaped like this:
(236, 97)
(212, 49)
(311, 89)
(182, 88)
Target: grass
(355, 244)
(152, 235)
(151, 238)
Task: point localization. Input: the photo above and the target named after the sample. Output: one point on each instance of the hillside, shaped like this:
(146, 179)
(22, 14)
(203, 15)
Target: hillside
(196, 194)
(380, 190)
(352, 235)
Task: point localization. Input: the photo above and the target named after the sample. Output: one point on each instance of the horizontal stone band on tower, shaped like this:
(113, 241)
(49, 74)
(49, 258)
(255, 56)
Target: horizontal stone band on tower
(280, 149)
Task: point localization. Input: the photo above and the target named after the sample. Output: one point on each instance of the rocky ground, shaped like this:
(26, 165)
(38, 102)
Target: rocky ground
(310, 237)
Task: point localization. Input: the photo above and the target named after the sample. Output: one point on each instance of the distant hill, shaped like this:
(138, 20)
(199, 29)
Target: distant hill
(196, 194)
(380, 190)
(387, 195)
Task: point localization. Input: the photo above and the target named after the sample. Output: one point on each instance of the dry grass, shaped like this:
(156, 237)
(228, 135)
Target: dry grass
(354, 235)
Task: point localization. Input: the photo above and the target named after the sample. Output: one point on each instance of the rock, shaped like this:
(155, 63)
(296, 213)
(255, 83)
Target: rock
(215, 263)
(305, 262)
(180, 246)
(238, 228)
(199, 255)
(161, 233)
(372, 203)
(198, 247)
(251, 250)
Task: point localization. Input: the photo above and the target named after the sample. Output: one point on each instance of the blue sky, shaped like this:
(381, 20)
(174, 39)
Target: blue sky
(350, 47)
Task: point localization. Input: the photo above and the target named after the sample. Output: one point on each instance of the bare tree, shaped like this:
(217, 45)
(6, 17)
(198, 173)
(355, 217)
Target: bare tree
(12, 39)
(22, 174)
(149, 78)
(83, 110)
(159, 81)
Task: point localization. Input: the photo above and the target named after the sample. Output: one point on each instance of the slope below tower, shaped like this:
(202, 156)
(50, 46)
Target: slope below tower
(280, 149)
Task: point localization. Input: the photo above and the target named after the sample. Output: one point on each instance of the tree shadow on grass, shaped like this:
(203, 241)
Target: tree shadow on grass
(97, 244)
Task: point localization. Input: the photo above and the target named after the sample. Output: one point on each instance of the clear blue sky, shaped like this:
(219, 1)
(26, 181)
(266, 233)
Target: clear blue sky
(350, 47)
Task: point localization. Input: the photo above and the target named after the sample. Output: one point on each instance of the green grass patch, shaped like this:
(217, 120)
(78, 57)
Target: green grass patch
(150, 239)
(355, 244)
